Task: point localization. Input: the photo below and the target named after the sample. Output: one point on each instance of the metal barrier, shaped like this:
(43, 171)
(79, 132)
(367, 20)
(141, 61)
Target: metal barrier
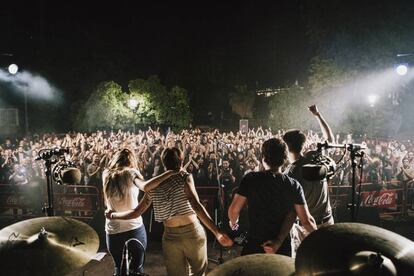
(78, 201)
(389, 197)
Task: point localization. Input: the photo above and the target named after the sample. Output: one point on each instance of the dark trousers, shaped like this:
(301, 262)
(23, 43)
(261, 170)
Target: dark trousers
(115, 244)
(254, 246)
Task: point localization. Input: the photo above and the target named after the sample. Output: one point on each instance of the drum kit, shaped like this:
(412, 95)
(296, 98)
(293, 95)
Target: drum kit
(60, 245)
(46, 246)
(340, 249)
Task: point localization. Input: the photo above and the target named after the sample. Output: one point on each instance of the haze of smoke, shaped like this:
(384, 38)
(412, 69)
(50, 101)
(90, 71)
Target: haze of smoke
(37, 86)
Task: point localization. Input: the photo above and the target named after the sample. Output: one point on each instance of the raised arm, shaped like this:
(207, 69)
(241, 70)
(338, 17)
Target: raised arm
(130, 214)
(202, 214)
(153, 183)
(326, 130)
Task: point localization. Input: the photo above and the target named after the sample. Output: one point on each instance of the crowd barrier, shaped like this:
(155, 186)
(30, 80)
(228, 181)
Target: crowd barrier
(391, 198)
(26, 201)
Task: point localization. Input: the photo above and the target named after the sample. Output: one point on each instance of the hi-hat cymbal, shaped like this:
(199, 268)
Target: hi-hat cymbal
(338, 250)
(257, 264)
(46, 246)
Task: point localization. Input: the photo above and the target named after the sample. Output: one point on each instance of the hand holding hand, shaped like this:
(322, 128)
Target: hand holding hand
(271, 246)
(108, 213)
(223, 239)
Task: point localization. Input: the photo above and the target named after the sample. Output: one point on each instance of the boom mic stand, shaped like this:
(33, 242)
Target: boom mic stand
(47, 155)
(355, 151)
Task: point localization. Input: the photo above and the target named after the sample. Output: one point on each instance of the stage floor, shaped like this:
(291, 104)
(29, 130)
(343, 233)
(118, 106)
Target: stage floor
(154, 263)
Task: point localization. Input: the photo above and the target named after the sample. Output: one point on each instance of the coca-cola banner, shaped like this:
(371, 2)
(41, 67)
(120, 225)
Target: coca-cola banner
(380, 199)
(73, 202)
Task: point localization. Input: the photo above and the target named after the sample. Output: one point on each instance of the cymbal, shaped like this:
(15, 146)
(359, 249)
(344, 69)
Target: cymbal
(257, 264)
(46, 246)
(339, 250)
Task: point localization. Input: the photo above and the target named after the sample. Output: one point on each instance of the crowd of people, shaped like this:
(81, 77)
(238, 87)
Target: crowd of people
(210, 156)
(261, 168)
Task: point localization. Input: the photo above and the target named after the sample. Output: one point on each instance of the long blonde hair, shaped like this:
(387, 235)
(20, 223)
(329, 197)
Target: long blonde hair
(117, 182)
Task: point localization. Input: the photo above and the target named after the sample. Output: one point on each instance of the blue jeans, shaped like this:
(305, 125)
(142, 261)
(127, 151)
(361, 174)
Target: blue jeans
(115, 244)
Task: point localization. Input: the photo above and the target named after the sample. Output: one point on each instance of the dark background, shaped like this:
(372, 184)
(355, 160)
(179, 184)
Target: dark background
(206, 47)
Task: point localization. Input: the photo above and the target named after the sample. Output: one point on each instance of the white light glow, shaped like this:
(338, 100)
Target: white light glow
(372, 99)
(401, 69)
(13, 68)
(132, 103)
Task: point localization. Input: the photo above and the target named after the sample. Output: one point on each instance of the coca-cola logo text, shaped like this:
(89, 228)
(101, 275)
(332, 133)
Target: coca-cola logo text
(379, 199)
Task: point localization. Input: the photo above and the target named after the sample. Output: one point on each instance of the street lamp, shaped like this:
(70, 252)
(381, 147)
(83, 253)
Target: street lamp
(372, 99)
(13, 69)
(133, 104)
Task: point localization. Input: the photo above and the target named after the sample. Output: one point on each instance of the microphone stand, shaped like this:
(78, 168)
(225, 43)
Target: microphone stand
(48, 210)
(355, 152)
(220, 259)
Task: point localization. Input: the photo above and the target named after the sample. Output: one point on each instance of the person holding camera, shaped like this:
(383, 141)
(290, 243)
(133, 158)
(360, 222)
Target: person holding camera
(227, 180)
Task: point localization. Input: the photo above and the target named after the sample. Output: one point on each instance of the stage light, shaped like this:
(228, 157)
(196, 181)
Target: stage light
(132, 103)
(13, 68)
(372, 99)
(402, 69)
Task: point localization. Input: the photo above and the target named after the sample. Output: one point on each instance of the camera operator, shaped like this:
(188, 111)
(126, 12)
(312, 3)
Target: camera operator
(316, 192)
(227, 179)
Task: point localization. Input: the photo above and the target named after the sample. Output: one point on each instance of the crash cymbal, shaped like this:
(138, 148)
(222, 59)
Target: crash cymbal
(46, 246)
(355, 249)
(256, 264)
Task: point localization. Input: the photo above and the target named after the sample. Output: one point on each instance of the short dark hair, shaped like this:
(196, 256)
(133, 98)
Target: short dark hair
(295, 140)
(274, 152)
(172, 158)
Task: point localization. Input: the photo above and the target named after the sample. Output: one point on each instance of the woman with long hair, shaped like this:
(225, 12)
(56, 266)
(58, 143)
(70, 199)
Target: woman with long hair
(176, 204)
(121, 184)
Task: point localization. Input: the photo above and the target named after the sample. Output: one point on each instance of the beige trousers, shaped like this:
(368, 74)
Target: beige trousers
(185, 250)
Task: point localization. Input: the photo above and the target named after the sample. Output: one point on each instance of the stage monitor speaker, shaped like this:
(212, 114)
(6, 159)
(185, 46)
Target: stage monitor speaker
(101, 265)
(367, 215)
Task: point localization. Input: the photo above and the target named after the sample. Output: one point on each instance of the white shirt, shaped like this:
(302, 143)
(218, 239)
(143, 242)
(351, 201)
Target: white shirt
(130, 201)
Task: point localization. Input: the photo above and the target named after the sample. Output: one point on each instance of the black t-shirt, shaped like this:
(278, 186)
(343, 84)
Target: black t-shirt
(270, 197)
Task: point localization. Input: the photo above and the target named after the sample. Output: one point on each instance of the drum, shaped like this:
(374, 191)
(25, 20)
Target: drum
(355, 249)
(256, 264)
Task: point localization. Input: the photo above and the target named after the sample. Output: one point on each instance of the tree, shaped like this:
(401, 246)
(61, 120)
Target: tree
(160, 106)
(242, 101)
(104, 108)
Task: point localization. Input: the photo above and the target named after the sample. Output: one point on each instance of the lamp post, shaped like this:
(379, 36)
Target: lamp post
(133, 104)
(13, 70)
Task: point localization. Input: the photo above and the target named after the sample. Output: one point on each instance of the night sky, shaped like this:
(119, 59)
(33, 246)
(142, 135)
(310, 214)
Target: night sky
(203, 46)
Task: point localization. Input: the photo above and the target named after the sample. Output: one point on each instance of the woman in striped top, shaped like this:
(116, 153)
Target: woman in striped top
(177, 205)
(121, 183)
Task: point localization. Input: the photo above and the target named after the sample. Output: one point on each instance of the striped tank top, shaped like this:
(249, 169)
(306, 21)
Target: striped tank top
(169, 199)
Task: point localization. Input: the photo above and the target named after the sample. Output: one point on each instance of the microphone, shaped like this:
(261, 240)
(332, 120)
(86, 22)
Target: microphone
(348, 147)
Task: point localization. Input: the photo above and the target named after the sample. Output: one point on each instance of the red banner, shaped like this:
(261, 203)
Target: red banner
(73, 202)
(381, 199)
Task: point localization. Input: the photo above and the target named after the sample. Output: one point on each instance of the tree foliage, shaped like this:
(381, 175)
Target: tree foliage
(107, 106)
